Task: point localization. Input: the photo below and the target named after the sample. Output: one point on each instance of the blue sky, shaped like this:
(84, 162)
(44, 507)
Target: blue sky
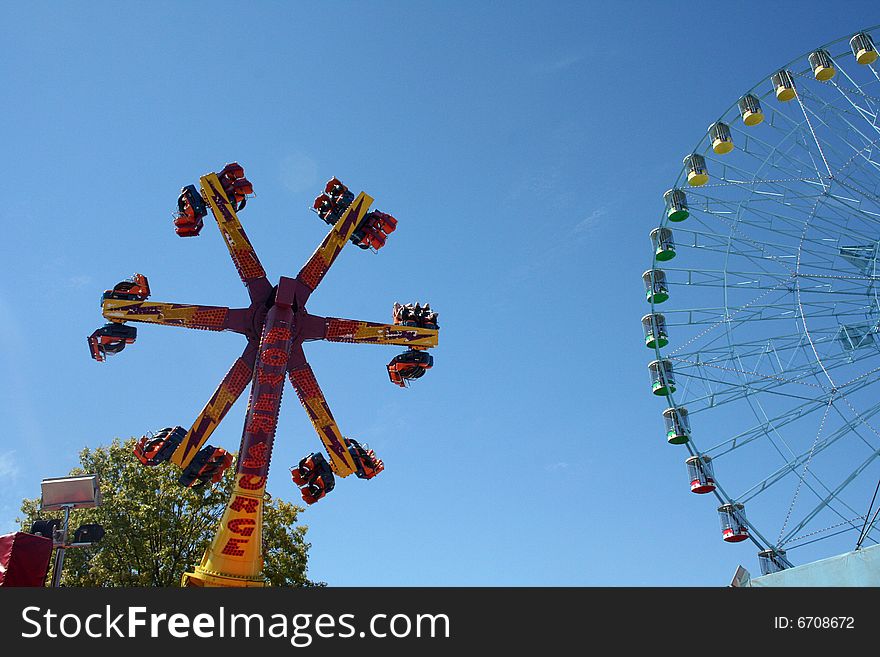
(524, 149)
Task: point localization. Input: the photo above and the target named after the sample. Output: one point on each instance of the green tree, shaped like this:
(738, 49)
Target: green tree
(157, 529)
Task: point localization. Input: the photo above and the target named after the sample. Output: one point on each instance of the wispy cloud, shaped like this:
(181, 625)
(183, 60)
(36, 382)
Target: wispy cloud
(299, 172)
(8, 467)
(588, 223)
(566, 238)
(556, 65)
(79, 282)
(19, 404)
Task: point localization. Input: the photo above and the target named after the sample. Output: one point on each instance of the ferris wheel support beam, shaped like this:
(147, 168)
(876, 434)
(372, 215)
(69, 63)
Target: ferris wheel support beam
(829, 498)
(804, 456)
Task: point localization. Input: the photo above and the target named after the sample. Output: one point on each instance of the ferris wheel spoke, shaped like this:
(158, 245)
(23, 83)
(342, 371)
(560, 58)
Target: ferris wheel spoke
(760, 430)
(778, 166)
(736, 387)
(719, 317)
(832, 496)
(790, 467)
(753, 280)
(814, 536)
(781, 420)
(853, 203)
(812, 133)
(806, 469)
(797, 138)
(803, 461)
(844, 118)
(794, 373)
(765, 220)
(761, 150)
(755, 251)
(727, 391)
(804, 458)
(869, 116)
(763, 312)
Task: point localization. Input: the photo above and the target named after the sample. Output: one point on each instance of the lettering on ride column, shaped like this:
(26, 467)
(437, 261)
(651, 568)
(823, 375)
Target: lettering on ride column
(274, 357)
(259, 432)
(266, 378)
(242, 526)
(245, 504)
(232, 548)
(266, 402)
(257, 456)
(261, 424)
(251, 482)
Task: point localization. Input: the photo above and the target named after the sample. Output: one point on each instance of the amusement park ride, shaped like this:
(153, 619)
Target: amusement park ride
(769, 339)
(275, 325)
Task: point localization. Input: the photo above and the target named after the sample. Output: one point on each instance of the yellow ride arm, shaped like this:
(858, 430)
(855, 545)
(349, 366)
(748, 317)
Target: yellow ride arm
(227, 393)
(323, 258)
(207, 318)
(240, 248)
(351, 330)
(312, 399)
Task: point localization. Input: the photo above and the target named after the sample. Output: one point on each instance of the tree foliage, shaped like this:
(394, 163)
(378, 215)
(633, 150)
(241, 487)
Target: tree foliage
(157, 529)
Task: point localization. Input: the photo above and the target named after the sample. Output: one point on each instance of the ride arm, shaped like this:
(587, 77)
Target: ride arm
(206, 318)
(312, 399)
(240, 248)
(323, 258)
(233, 384)
(334, 329)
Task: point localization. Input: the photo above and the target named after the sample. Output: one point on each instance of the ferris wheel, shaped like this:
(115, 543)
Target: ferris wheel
(764, 323)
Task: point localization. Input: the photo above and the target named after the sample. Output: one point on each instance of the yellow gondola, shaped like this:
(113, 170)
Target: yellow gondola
(750, 110)
(863, 48)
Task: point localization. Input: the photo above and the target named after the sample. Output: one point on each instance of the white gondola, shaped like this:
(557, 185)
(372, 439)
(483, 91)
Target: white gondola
(783, 85)
(697, 173)
(678, 426)
(771, 561)
(664, 245)
(656, 288)
(750, 110)
(822, 65)
(722, 140)
(733, 522)
(676, 205)
(863, 48)
(662, 377)
(654, 325)
(701, 474)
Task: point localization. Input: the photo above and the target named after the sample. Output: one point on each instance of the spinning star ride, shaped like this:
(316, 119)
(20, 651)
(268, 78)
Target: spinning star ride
(772, 347)
(275, 325)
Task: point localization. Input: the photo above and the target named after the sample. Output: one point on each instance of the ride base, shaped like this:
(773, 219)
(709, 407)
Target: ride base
(234, 558)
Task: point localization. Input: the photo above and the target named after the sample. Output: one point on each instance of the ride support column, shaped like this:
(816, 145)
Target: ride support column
(234, 557)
